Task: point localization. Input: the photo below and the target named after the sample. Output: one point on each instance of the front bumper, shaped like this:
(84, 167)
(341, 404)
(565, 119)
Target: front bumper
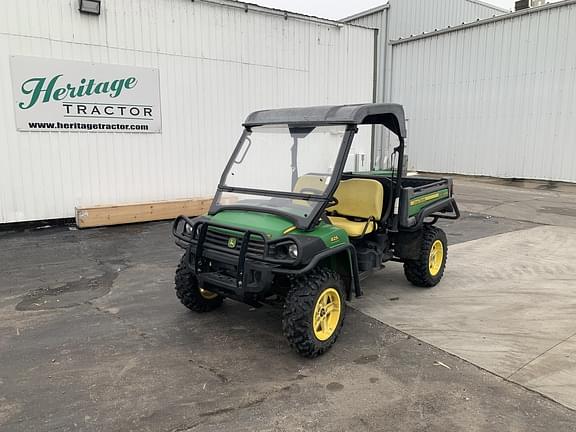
(247, 272)
(241, 269)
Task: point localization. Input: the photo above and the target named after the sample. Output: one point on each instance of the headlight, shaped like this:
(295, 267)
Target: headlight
(188, 228)
(293, 251)
(286, 250)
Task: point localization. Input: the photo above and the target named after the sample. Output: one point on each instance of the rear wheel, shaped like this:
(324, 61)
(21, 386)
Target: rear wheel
(190, 294)
(314, 312)
(428, 269)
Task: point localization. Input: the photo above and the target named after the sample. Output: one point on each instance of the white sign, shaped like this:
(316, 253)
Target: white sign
(69, 96)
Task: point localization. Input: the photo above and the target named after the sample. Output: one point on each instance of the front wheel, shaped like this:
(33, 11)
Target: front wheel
(190, 294)
(314, 312)
(428, 269)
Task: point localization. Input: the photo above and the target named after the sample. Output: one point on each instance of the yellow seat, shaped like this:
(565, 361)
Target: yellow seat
(311, 183)
(357, 199)
(352, 228)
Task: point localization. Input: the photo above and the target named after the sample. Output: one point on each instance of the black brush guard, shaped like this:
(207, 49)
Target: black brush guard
(247, 261)
(206, 242)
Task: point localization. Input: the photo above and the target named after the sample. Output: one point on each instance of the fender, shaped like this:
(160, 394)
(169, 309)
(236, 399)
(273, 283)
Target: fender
(349, 249)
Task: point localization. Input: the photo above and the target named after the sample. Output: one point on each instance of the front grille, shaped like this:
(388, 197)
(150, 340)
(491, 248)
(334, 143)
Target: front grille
(220, 239)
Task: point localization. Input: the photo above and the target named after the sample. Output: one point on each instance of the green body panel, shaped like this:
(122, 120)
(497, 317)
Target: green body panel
(331, 235)
(275, 227)
(418, 202)
(271, 225)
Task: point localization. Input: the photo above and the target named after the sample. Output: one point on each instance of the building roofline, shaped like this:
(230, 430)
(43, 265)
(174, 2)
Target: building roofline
(488, 5)
(481, 22)
(365, 13)
(387, 5)
(278, 12)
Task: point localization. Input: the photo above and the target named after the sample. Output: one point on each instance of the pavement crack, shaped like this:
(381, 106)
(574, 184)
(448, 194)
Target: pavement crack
(492, 207)
(241, 406)
(540, 355)
(186, 428)
(221, 377)
(248, 404)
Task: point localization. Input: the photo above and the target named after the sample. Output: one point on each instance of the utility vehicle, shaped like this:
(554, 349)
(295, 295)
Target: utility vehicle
(287, 224)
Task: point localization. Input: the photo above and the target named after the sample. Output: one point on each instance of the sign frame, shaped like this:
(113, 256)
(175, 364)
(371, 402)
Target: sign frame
(54, 95)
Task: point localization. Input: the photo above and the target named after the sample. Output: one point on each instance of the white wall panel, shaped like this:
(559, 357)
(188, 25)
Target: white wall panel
(377, 21)
(412, 17)
(402, 18)
(495, 98)
(217, 63)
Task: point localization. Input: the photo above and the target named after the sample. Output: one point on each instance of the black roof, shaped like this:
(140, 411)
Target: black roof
(389, 115)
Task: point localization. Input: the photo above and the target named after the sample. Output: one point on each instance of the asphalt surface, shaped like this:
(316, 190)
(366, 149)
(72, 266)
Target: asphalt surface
(92, 338)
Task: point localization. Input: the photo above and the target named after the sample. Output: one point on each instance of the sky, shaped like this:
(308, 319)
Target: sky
(336, 9)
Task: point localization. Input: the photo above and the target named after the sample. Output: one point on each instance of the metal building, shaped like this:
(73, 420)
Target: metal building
(403, 18)
(199, 67)
(493, 98)
(399, 19)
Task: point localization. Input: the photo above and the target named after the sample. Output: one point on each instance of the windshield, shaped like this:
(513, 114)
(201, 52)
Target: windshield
(283, 159)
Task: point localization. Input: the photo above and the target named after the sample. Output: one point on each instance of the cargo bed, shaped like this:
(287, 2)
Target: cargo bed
(420, 197)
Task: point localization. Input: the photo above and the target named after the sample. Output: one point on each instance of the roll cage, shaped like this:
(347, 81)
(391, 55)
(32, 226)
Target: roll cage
(390, 116)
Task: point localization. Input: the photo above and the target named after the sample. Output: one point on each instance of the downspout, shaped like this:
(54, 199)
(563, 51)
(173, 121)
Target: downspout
(387, 96)
(386, 45)
(374, 98)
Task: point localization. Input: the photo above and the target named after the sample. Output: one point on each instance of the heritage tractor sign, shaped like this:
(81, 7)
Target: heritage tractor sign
(69, 96)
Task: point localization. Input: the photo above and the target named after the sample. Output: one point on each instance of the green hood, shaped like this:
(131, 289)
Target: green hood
(273, 226)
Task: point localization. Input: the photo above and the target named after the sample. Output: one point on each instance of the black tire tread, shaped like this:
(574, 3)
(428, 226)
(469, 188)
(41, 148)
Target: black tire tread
(299, 307)
(186, 285)
(416, 271)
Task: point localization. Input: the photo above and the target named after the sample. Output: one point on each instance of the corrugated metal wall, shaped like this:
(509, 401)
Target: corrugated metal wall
(411, 17)
(402, 18)
(217, 63)
(377, 20)
(493, 99)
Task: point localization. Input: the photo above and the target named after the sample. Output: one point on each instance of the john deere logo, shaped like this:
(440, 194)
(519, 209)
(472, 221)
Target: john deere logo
(232, 242)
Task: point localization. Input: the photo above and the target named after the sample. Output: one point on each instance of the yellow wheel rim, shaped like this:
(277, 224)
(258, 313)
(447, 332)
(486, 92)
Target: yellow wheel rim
(436, 257)
(208, 295)
(326, 314)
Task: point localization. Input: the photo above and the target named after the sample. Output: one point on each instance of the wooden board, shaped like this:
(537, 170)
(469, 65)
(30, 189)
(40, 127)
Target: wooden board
(102, 215)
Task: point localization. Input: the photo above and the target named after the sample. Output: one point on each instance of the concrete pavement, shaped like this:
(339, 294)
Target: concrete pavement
(507, 301)
(537, 202)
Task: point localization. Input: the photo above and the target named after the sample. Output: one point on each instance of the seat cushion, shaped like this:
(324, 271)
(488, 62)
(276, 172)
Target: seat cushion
(352, 228)
(311, 183)
(360, 198)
